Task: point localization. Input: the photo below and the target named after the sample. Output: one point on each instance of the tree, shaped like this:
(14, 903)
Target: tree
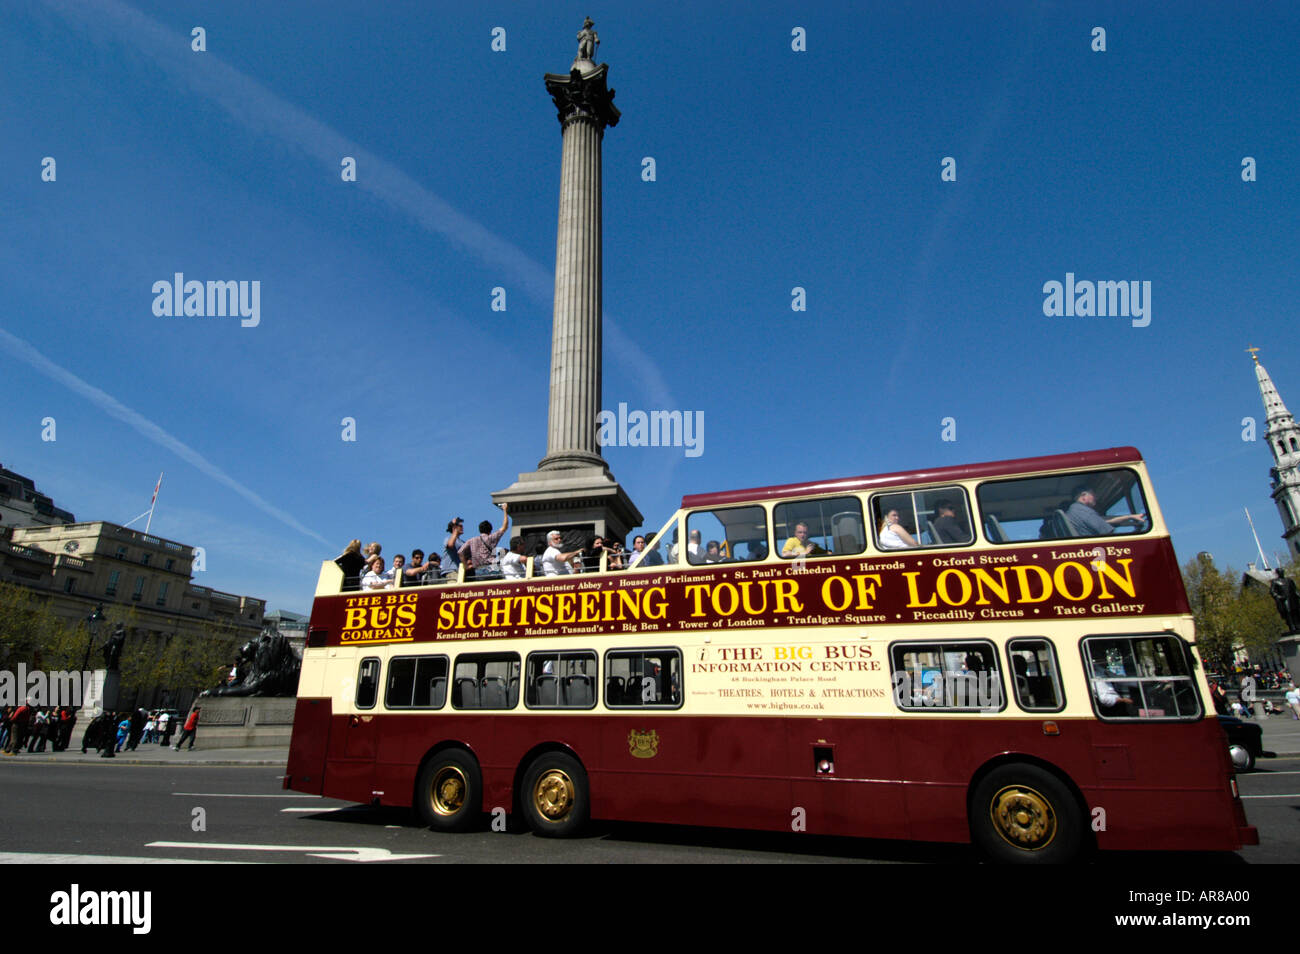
(1210, 593)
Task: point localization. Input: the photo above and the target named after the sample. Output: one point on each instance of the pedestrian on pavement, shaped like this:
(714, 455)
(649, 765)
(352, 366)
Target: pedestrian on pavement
(18, 724)
(165, 727)
(191, 727)
(123, 732)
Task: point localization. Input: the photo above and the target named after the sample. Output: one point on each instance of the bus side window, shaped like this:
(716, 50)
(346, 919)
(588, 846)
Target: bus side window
(486, 681)
(947, 675)
(1036, 677)
(367, 683)
(650, 678)
(555, 680)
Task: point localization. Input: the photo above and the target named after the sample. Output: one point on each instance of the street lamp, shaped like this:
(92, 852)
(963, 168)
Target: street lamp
(92, 624)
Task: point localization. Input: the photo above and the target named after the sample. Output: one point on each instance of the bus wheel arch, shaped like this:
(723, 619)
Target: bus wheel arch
(1023, 809)
(448, 792)
(552, 791)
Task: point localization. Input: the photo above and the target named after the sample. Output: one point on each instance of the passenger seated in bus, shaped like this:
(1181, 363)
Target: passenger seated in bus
(652, 555)
(377, 578)
(1087, 522)
(1109, 701)
(695, 549)
(591, 557)
(712, 553)
(414, 574)
(891, 534)
(555, 563)
(947, 528)
(615, 561)
(353, 564)
(1023, 689)
(800, 546)
(514, 565)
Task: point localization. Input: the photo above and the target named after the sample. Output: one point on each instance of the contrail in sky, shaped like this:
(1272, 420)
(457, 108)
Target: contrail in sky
(115, 408)
(262, 111)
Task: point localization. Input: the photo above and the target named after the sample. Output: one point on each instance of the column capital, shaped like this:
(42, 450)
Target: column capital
(583, 97)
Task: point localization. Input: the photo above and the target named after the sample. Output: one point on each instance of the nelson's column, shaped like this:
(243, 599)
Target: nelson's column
(572, 489)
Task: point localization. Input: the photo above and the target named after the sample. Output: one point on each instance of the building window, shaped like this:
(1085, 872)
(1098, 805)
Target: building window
(170, 564)
(69, 584)
(138, 594)
(112, 583)
(121, 553)
(145, 558)
(162, 594)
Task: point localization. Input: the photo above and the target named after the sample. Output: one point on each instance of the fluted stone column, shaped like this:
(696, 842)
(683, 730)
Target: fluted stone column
(572, 488)
(585, 107)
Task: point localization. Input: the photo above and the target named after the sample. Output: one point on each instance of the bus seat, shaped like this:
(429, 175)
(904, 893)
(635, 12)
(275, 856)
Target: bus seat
(614, 690)
(934, 534)
(578, 691)
(1062, 526)
(846, 531)
(512, 699)
(994, 529)
(492, 694)
(548, 691)
(467, 693)
(437, 691)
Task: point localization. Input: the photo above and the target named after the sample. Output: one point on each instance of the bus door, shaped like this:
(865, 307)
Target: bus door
(352, 767)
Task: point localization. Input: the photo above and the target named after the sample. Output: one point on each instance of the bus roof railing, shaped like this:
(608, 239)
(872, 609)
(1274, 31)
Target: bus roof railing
(998, 468)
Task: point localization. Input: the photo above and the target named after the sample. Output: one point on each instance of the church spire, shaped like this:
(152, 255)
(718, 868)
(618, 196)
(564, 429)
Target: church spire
(1283, 436)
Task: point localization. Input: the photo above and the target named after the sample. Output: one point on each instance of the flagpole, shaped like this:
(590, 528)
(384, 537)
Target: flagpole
(151, 504)
(1262, 558)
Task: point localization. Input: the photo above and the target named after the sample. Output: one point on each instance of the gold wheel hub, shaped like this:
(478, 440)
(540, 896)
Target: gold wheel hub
(553, 795)
(449, 788)
(1023, 817)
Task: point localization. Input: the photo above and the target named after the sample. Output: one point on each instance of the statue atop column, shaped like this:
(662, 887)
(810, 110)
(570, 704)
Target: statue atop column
(1287, 600)
(588, 40)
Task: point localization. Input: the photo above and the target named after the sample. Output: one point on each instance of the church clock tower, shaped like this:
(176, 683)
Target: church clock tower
(1283, 438)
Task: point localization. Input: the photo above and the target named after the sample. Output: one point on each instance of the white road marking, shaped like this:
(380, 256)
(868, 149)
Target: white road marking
(340, 854)
(45, 858)
(239, 795)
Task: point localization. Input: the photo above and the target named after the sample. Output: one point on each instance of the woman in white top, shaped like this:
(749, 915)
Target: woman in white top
(892, 535)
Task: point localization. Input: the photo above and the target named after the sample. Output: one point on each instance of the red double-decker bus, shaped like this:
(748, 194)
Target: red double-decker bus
(1000, 653)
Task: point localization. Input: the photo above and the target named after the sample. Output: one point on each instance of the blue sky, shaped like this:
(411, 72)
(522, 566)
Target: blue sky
(775, 169)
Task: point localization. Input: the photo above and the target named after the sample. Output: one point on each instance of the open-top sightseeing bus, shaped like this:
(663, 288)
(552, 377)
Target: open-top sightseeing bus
(1000, 652)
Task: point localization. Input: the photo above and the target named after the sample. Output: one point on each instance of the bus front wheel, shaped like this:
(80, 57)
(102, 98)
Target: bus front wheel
(449, 792)
(555, 795)
(1023, 814)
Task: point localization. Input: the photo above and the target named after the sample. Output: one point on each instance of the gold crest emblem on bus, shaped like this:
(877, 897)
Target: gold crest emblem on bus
(643, 745)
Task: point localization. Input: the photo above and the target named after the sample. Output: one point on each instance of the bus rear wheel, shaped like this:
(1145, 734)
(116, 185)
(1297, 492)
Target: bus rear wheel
(1023, 814)
(449, 792)
(556, 800)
